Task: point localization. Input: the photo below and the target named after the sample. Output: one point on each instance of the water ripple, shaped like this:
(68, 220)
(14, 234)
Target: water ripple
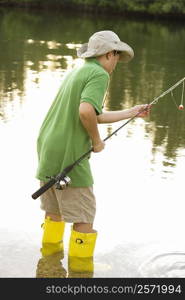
(170, 264)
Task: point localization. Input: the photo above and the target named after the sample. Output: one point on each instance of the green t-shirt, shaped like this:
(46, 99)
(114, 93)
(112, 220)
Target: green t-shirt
(62, 138)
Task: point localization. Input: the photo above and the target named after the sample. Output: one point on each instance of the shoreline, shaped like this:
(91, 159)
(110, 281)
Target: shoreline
(92, 9)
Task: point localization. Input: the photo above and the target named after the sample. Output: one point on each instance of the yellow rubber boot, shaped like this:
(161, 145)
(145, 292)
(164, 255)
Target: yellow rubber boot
(50, 264)
(80, 256)
(52, 240)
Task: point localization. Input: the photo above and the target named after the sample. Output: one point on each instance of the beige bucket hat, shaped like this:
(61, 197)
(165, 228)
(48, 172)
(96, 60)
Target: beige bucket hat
(102, 42)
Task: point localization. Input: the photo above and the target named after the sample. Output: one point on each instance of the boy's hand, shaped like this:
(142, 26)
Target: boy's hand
(144, 108)
(98, 146)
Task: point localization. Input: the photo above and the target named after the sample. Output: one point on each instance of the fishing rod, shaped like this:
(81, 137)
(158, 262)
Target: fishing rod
(62, 180)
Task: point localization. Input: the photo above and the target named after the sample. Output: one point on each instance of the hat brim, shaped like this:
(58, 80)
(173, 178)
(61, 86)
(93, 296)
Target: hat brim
(126, 54)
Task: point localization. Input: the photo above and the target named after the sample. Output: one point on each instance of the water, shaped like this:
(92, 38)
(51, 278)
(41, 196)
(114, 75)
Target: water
(138, 177)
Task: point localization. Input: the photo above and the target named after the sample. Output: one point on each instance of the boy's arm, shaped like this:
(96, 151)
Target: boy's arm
(119, 115)
(89, 120)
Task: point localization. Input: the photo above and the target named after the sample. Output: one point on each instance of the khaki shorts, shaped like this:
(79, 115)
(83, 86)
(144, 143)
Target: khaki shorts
(74, 204)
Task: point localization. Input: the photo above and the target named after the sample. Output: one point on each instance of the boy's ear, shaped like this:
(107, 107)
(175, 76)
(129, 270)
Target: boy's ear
(108, 55)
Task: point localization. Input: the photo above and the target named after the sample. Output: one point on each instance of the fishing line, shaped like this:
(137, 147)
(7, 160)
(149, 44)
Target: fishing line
(182, 97)
(168, 91)
(181, 106)
(155, 101)
(173, 98)
(62, 180)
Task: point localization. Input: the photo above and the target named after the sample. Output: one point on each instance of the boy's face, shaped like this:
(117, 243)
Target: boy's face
(112, 60)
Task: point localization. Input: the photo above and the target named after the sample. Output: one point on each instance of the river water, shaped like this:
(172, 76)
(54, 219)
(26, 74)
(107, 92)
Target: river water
(139, 177)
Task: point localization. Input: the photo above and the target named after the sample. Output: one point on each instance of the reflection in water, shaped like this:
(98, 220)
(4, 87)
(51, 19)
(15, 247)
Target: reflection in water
(80, 252)
(19, 258)
(80, 267)
(51, 266)
(31, 50)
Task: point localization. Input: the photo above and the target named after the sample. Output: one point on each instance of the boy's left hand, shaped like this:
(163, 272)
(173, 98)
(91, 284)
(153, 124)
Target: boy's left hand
(143, 108)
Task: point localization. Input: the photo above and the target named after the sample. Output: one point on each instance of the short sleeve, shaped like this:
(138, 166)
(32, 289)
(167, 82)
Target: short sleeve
(94, 91)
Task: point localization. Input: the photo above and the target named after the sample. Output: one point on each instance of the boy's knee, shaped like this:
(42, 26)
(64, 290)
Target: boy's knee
(53, 217)
(83, 227)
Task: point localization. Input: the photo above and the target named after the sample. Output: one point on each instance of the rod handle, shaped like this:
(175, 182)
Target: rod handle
(44, 188)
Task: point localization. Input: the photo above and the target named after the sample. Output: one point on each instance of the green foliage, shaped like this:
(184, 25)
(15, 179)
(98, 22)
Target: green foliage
(154, 7)
(167, 7)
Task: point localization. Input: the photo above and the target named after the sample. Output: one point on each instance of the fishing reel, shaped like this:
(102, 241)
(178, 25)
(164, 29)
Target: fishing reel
(63, 184)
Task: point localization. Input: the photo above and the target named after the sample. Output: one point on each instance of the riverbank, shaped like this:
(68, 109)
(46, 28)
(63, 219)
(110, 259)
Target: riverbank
(168, 9)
